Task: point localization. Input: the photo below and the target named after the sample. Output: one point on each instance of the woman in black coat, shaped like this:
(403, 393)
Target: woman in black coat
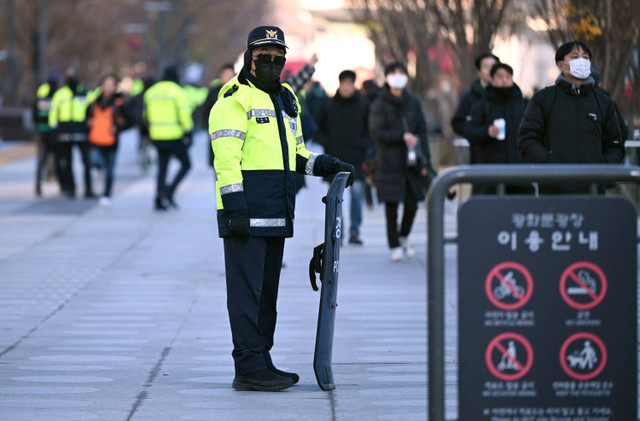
(398, 127)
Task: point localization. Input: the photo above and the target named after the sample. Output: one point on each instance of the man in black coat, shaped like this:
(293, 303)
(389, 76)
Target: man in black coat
(483, 63)
(571, 122)
(343, 130)
(503, 101)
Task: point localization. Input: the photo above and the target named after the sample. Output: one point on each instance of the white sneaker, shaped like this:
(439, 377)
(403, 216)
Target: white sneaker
(105, 201)
(408, 250)
(396, 254)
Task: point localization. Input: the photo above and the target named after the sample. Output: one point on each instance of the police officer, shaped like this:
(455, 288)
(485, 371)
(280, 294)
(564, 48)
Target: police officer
(45, 141)
(258, 147)
(67, 119)
(168, 116)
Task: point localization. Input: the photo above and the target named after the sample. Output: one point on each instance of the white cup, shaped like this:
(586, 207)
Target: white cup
(501, 124)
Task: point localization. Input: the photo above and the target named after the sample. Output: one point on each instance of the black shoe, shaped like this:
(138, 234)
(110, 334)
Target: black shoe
(160, 204)
(172, 203)
(270, 366)
(355, 240)
(38, 191)
(89, 195)
(261, 381)
(169, 198)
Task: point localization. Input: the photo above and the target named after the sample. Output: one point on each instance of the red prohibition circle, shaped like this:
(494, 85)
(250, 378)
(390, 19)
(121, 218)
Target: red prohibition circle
(570, 273)
(563, 356)
(495, 343)
(496, 273)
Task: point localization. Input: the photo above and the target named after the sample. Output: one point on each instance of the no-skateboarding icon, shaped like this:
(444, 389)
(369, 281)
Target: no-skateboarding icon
(509, 356)
(583, 285)
(509, 286)
(583, 356)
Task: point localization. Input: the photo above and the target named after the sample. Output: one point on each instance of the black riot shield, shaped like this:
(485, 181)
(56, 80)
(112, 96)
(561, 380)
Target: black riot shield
(326, 262)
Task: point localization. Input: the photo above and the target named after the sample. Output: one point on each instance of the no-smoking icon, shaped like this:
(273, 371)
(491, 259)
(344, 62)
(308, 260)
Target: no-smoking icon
(509, 286)
(583, 285)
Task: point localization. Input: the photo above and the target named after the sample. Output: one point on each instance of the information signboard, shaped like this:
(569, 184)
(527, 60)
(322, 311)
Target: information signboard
(547, 297)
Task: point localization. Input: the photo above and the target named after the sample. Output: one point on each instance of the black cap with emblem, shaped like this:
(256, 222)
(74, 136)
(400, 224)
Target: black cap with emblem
(263, 35)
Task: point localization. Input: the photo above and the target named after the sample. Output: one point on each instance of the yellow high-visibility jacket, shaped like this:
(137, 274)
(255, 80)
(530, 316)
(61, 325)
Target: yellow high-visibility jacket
(257, 150)
(167, 111)
(44, 96)
(67, 114)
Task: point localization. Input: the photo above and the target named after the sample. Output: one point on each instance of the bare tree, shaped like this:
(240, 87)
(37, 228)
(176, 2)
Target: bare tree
(401, 27)
(90, 35)
(610, 28)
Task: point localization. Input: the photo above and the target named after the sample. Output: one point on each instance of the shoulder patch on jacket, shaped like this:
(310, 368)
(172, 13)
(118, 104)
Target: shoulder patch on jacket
(231, 91)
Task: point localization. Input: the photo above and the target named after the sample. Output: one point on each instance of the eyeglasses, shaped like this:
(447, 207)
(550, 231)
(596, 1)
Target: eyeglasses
(266, 58)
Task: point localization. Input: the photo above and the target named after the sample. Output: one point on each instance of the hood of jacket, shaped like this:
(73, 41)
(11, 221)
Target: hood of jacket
(572, 88)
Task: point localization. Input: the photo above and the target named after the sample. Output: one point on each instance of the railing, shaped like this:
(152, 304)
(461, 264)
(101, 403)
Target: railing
(496, 174)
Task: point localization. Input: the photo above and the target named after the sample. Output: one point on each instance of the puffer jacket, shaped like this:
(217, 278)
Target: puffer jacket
(390, 117)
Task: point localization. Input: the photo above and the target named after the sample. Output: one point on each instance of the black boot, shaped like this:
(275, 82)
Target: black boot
(261, 381)
(270, 366)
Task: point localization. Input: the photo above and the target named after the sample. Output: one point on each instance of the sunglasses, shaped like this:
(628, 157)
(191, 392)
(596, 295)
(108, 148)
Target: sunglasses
(266, 58)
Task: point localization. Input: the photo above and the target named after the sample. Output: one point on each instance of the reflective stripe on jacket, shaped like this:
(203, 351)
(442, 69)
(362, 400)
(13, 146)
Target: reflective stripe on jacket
(67, 114)
(257, 150)
(167, 111)
(43, 107)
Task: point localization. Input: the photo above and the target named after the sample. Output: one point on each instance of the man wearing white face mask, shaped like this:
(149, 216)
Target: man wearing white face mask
(398, 126)
(571, 122)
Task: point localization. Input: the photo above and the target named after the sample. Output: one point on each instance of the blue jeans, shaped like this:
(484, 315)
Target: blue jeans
(357, 193)
(108, 158)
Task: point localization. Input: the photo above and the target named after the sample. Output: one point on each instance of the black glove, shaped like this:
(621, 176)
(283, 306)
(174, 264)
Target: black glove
(339, 166)
(239, 225)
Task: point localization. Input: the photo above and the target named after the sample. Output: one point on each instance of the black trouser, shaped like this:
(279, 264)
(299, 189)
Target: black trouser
(45, 147)
(65, 167)
(166, 148)
(391, 212)
(253, 275)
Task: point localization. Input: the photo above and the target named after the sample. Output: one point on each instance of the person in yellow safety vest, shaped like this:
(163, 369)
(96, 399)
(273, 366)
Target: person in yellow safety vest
(195, 95)
(257, 142)
(67, 120)
(168, 116)
(46, 144)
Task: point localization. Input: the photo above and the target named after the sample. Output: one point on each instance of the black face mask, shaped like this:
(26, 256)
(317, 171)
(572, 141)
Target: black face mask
(268, 70)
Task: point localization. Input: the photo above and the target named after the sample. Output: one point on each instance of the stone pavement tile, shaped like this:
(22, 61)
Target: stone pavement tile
(122, 315)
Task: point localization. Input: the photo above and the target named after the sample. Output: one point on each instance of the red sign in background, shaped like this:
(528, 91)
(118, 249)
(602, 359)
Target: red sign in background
(570, 275)
(496, 345)
(567, 366)
(497, 273)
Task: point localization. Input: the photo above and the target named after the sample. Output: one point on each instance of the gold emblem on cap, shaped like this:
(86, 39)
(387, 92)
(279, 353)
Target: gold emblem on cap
(272, 33)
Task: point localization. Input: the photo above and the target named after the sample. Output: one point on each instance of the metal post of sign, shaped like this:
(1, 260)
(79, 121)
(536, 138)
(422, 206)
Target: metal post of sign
(592, 173)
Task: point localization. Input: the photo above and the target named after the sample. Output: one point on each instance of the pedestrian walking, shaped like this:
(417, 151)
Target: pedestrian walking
(67, 120)
(134, 110)
(106, 119)
(168, 116)
(343, 130)
(227, 72)
(398, 126)
(258, 147)
(493, 126)
(483, 64)
(45, 140)
(369, 91)
(571, 122)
